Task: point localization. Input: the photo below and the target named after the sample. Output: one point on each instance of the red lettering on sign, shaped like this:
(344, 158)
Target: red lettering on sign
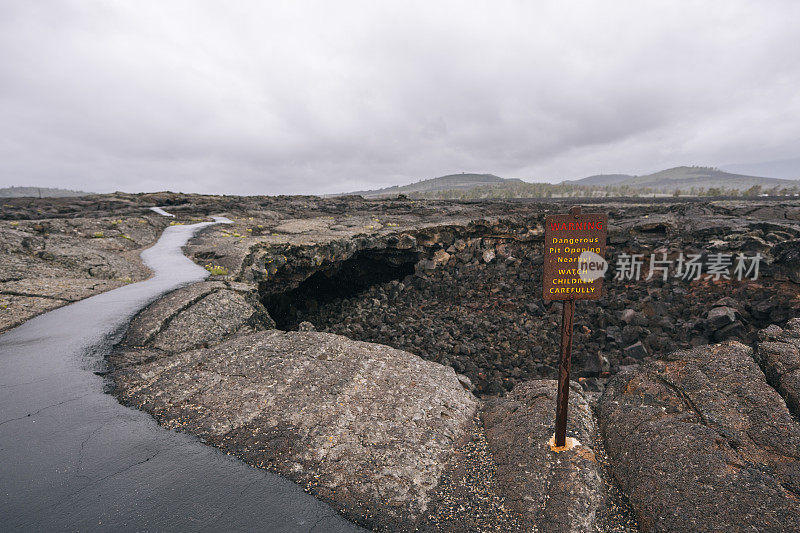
(573, 226)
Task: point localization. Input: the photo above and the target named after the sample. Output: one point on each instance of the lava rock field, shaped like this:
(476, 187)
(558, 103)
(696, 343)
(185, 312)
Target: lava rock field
(478, 308)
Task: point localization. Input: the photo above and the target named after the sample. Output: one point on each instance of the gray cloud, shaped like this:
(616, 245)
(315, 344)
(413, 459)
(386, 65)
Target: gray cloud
(297, 97)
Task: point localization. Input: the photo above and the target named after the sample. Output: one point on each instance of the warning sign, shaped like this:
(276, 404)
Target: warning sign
(574, 255)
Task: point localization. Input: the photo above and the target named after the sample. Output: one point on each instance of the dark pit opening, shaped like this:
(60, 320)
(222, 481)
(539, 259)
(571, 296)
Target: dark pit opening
(341, 280)
(656, 230)
(483, 314)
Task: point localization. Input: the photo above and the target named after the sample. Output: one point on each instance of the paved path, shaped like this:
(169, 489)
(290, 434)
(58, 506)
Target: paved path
(72, 458)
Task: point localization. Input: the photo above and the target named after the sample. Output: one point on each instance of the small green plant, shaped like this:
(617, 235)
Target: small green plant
(176, 223)
(98, 235)
(126, 279)
(116, 222)
(15, 223)
(217, 270)
(126, 236)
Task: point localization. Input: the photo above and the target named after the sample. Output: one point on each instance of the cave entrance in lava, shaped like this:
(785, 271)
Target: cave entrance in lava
(341, 280)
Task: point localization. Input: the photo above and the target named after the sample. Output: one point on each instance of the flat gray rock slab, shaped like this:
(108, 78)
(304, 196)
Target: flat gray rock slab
(363, 426)
(700, 442)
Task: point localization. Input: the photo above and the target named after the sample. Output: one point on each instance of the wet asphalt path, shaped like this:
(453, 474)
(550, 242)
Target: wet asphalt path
(72, 458)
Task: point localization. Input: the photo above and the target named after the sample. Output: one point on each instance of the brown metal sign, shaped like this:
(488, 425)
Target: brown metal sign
(574, 265)
(574, 252)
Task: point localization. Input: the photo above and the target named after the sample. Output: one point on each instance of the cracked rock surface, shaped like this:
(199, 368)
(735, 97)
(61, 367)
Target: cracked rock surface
(700, 442)
(779, 356)
(395, 442)
(48, 263)
(366, 427)
(197, 315)
(554, 492)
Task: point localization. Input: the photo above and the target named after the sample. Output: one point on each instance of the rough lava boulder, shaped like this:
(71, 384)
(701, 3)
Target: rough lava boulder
(701, 442)
(779, 356)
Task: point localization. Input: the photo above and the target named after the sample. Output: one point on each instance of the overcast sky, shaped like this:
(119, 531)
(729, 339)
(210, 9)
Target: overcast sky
(321, 97)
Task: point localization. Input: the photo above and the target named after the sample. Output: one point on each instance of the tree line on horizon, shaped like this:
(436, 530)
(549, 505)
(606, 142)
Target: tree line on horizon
(566, 190)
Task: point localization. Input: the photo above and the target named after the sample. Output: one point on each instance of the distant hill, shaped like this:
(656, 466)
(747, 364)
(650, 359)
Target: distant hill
(779, 168)
(451, 182)
(601, 179)
(698, 181)
(37, 192)
(684, 178)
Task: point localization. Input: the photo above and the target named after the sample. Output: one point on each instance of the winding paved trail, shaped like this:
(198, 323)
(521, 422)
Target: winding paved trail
(72, 458)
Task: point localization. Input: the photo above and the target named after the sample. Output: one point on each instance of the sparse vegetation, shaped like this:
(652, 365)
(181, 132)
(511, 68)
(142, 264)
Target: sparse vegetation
(217, 270)
(567, 190)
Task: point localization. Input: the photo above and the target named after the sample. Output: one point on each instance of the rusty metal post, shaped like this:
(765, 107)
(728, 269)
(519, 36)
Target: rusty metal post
(564, 363)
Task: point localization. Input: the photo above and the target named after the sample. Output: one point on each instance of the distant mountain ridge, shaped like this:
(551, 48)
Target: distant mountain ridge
(37, 192)
(778, 168)
(601, 179)
(693, 180)
(703, 177)
(464, 181)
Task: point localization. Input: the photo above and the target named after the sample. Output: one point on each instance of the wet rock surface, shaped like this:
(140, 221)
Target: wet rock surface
(700, 442)
(366, 427)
